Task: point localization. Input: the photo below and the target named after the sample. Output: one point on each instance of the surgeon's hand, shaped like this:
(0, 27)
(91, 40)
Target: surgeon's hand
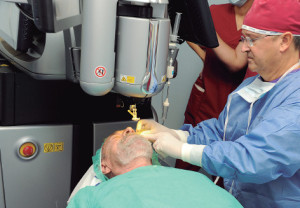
(165, 143)
(148, 126)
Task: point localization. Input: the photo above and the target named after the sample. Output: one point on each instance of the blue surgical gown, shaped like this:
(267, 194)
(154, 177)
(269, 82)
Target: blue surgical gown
(264, 163)
(155, 186)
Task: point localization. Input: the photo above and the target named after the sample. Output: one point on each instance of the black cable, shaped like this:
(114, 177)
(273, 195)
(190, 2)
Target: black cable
(29, 16)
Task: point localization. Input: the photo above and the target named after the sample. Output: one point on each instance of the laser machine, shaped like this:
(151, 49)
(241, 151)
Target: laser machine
(70, 70)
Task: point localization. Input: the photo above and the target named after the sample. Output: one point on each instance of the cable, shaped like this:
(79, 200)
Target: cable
(216, 180)
(154, 113)
(23, 12)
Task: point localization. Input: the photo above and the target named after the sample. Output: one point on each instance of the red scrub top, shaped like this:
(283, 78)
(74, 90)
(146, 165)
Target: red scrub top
(216, 79)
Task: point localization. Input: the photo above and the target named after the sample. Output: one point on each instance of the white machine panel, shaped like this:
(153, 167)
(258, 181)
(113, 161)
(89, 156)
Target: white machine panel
(42, 180)
(9, 22)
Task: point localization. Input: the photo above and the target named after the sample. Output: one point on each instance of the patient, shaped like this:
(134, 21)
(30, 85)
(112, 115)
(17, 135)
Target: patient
(131, 180)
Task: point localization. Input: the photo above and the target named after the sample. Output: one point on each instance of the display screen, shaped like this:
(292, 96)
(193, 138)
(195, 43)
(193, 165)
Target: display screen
(196, 23)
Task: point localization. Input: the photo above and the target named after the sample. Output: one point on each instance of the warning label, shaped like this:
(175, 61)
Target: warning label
(58, 147)
(48, 147)
(123, 78)
(127, 79)
(130, 79)
(163, 78)
(54, 147)
(100, 71)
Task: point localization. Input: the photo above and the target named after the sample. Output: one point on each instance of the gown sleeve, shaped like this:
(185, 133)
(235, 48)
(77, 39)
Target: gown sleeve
(270, 150)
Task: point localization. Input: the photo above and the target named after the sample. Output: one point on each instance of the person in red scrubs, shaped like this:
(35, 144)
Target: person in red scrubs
(225, 67)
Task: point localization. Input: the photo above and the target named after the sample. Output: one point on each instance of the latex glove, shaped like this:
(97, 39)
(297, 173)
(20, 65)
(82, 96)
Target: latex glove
(151, 126)
(166, 144)
(148, 126)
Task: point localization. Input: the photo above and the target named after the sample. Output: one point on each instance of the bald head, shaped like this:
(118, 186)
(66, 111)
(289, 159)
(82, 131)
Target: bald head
(124, 151)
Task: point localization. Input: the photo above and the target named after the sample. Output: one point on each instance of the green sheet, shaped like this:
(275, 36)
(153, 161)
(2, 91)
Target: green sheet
(155, 186)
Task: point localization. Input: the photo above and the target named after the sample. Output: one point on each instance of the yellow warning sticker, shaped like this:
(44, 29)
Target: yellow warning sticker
(123, 78)
(163, 79)
(127, 79)
(54, 147)
(48, 147)
(58, 147)
(130, 79)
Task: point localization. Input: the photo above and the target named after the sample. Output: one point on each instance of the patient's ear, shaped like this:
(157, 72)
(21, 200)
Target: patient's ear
(104, 168)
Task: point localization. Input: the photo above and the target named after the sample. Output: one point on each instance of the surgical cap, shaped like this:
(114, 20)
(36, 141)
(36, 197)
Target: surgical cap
(273, 17)
(97, 164)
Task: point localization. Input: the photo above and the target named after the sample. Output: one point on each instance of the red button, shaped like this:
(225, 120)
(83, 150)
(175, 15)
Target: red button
(28, 151)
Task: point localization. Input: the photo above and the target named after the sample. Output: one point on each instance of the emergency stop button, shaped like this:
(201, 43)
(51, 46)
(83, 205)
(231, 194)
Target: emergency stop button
(27, 149)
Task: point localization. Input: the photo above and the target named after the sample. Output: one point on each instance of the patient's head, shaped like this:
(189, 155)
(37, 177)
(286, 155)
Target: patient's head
(124, 151)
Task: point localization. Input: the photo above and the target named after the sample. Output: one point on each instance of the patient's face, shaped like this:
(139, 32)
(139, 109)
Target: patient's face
(124, 132)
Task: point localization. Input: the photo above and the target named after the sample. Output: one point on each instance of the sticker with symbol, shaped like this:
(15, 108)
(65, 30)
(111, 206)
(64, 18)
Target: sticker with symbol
(127, 79)
(123, 78)
(100, 71)
(48, 147)
(163, 78)
(58, 147)
(54, 147)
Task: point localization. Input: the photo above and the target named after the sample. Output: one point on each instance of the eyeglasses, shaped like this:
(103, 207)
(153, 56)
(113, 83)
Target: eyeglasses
(250, 41)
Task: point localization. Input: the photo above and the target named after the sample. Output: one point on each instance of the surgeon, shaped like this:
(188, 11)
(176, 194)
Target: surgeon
(255, 143)
(131, 180)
